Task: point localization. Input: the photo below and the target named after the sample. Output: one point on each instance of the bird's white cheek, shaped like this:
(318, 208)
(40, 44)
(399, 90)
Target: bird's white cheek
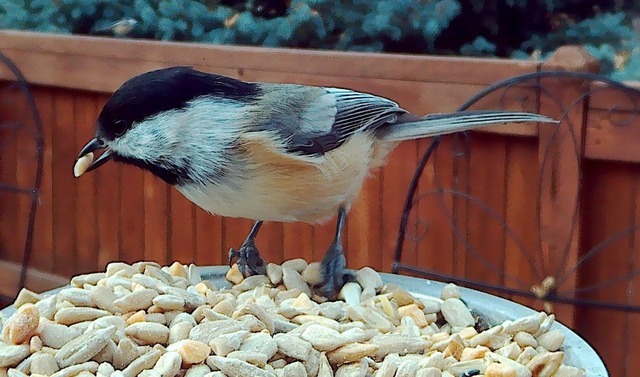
(150, 140)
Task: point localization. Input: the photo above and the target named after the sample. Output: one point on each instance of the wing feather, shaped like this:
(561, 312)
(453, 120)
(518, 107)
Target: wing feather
(351, 112)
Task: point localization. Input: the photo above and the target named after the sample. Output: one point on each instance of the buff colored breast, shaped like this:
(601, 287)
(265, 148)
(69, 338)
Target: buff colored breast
(277, 186)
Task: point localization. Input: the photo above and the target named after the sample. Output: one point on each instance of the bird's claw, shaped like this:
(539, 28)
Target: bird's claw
(248, 260)
(334, 273)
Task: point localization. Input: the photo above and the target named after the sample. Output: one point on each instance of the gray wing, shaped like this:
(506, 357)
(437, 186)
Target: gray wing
(335, 115)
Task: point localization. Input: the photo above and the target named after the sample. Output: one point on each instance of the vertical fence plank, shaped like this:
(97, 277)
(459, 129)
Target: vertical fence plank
(632, 361)
(521, 248)
(365, 225)
(271, 242)
(132, 214)
(43, 235)
(298, 241)
(156, 218)
(209, 239)
(485, 255)
(460, 152)
(434, 243)
(396, 177)
(107, 188)
(85, 216)
(612, 184)
(9, 243)
(181, 222)
(560, 152)
(25, 170)
(64, 193)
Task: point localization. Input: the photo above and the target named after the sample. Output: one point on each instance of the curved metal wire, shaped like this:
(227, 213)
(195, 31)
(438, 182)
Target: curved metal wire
(543, 83)
(413, 187)
(32, 192)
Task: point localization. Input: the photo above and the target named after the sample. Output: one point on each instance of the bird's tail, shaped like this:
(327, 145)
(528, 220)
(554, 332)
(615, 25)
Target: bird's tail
(411, 127)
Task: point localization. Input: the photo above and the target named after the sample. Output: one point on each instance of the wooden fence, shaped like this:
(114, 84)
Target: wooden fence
(121, 213)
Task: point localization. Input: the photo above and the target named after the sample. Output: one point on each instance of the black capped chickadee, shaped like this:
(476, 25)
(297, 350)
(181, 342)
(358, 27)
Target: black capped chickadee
(119, 28)
(267, 152)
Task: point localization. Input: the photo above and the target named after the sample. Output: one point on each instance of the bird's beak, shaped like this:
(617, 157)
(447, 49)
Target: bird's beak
(86, 163)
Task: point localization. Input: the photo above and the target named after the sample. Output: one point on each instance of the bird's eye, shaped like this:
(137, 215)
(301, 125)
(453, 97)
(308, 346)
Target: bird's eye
(120, 126)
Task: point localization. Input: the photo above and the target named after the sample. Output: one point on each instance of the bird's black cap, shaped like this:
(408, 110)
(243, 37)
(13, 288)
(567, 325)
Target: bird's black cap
(165, 89)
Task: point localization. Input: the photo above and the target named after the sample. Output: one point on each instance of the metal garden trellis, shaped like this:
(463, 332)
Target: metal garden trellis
(32, 192)
(548, 278)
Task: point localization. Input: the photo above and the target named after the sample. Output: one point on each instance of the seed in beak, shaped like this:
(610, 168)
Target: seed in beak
(83, 164)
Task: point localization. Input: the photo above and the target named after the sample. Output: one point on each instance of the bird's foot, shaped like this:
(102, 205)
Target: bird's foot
(334, 272)
(248, 259)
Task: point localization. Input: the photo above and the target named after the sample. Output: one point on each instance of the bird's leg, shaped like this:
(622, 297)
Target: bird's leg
(248, 257)
(333, 265)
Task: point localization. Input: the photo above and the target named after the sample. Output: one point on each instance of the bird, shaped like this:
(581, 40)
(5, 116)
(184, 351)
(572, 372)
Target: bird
(278, 152)
(120, 28)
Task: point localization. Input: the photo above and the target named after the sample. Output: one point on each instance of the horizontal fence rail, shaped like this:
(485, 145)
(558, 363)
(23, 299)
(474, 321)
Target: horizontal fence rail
(562, 191)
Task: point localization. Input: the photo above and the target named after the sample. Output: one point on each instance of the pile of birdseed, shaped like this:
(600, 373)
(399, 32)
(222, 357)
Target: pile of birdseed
(148, 320)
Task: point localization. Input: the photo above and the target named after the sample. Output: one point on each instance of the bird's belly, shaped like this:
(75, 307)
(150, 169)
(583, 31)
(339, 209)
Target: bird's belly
(276, 189)
(277, 202)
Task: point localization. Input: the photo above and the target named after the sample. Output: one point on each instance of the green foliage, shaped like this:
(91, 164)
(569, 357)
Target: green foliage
(353, 24)
(479, 47)
(609, 37)
(28, 14)
(508, 28)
